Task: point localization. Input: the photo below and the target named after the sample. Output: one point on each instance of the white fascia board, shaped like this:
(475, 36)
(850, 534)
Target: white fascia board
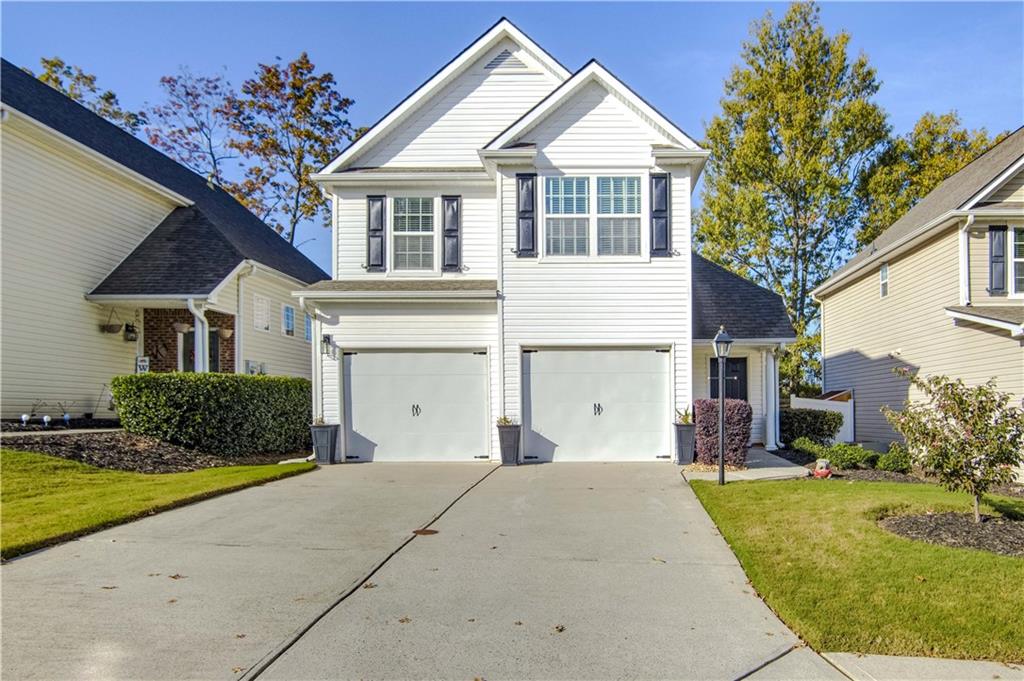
(260, 267)
(390, 178)
(592, 72)
(145, 300)
(396, 296)
(501, 30)
(105, 161)
(496, 157)
(1016, 330)
(739, 342)
(995, 184)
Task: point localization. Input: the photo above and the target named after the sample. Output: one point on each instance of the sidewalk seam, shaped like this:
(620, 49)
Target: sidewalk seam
(264, 663)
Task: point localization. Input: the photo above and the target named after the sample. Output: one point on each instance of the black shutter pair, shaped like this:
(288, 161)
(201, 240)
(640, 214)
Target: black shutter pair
(526, 215)
(997, 259)
(451, 226)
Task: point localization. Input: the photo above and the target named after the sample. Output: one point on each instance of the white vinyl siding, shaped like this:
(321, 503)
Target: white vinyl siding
(412, 228)
(279, 354)
(67, 222)
(465, 115)
(862, 341)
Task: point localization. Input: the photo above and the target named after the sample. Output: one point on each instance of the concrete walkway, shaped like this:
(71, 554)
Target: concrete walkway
(887, 667)
(761, 465)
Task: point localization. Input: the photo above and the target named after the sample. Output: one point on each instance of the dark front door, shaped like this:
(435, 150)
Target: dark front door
(735, 378)
(188, 351)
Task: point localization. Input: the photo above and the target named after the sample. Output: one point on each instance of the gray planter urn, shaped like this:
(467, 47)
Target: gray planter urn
(684, 443)
(325, 443)
(508, 437)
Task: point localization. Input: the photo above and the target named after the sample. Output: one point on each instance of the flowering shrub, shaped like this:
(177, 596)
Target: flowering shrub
(969, 436)
(738, 417)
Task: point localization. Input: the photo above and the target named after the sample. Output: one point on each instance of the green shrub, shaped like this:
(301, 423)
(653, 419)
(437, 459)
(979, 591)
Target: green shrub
(814, 424)
(843, 455)
(809, 447)
(896, 460)
(227, 414)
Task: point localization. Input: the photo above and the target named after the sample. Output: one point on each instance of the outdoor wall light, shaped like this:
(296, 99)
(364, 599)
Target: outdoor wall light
(130, 332)
(326, 344)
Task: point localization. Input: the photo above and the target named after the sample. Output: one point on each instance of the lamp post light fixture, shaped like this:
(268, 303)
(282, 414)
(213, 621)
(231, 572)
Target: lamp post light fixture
(722, 343)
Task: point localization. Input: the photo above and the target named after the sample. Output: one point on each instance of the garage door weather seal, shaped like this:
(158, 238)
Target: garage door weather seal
(271, 657)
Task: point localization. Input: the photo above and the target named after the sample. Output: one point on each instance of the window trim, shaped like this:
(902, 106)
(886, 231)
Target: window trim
(307, 327)
(435, 197)
(256, 298)
(284, 328)
(644, 175)
(883, 280)
(1012, 260)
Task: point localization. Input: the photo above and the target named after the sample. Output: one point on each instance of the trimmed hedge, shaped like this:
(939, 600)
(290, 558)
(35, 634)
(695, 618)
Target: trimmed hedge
(738, 417)
(841, 455)
(226, 414)
(815, 424)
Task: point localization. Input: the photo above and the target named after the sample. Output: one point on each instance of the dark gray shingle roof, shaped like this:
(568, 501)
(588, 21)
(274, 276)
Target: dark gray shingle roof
(722, 298)
(1014, 314)
(212, 236)
(951, 194)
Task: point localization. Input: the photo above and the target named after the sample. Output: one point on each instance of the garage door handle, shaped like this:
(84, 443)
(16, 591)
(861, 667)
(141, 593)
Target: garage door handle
(415, 410)
(598, 409)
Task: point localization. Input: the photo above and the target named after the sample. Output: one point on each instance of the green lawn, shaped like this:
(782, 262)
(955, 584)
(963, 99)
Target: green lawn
(45, 499)
(814, 552)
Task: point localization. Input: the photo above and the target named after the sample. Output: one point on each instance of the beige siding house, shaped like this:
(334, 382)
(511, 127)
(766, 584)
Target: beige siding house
(940, 292)
(112, 252)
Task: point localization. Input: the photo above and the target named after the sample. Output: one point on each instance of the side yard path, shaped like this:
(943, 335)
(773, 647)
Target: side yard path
(815, 552)
(46, 500)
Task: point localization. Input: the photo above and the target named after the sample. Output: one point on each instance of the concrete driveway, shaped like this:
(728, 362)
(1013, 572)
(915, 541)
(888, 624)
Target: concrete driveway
(547, 571)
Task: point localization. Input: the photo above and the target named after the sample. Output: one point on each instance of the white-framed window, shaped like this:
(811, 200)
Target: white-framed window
(618, 197)
(1017, 263)
(309, 329)
(288, 320)
(260, 312)
(412, 230)
(593, 216)
(883, 280)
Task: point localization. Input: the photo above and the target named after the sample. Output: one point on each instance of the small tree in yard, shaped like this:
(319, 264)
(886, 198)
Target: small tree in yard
(969, 436)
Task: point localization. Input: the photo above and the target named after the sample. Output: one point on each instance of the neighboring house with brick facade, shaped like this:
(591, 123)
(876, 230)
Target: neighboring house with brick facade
(114, 252)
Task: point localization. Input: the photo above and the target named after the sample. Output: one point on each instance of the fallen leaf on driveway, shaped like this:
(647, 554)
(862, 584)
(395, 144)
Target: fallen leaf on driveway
(559, 628)
(173, 600)
(153, 574)
(238, 670)
(659, 560)
(424, 532)
(108, 587)
(471, 619)
(239, 635)
(519, 624)
(176, 576)
(369, 585)
(404, 620)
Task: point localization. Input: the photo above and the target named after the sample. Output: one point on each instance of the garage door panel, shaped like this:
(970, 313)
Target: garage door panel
(630, 388)
(415, 406)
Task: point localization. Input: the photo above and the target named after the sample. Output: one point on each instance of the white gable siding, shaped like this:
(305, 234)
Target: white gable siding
(1012, 191)
(464, 116)
(479, 232)
(623, 303)
(67, 222)
(283, 355)
(594, 128)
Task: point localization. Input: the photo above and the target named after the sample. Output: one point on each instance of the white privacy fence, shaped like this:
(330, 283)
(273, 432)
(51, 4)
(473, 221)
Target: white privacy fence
(845, 408)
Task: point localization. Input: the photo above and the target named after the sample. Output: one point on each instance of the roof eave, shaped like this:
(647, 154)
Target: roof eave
(368, 178)
(1016, 330)
(394, 296)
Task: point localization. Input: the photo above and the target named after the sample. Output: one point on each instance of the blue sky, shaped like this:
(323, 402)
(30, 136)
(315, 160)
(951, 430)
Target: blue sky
(929, 57)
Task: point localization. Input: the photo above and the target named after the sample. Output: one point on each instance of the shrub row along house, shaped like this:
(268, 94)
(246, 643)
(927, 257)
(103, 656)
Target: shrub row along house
(941, 291)
(513, 239)
(113, 252)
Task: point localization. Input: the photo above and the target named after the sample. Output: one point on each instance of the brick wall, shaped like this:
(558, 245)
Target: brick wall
(161, 341)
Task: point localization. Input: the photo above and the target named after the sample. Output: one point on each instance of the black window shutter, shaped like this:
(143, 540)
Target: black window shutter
(997, 259)
(451, 210)
(735, 378)
(375, 238)
(661, 219)
(526, 215)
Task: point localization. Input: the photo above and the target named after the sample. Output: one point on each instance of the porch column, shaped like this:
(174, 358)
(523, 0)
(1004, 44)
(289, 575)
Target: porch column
(771, 416)
(200, 338)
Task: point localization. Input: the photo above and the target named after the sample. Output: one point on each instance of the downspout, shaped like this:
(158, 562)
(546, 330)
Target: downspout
(316, 359)
(200, 337)
(965, 261)
(239, 319)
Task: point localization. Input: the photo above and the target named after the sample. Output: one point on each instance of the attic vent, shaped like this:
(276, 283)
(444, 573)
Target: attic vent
(505, 60)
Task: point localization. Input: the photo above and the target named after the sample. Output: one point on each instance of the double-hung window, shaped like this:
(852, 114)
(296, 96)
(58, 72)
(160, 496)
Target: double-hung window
(567, 215)
(413, 233)
(618, 216)
(309, 328)
(1017, 270)
(883, 280)
(592, 216)
(288, 320)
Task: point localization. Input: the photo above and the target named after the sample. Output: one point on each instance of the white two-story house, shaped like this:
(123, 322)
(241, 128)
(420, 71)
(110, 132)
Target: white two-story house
(513, 239)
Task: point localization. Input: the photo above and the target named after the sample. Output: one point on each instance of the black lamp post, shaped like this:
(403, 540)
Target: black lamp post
(723, 343)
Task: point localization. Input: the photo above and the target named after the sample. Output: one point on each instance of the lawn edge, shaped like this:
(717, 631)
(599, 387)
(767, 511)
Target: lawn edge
(22, 550)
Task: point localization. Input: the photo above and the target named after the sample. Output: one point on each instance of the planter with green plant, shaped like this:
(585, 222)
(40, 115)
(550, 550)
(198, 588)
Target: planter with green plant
(325, 441)
(509, 433)
(684, 436)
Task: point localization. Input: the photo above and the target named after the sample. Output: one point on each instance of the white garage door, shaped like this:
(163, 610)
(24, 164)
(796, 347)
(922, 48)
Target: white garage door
(596, 405)
(415, 406)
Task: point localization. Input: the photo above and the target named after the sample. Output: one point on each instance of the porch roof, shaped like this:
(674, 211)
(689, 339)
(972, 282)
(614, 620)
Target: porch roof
(746, 310)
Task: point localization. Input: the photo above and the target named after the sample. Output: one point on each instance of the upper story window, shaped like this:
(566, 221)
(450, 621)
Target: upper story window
(288, 320)
(565, 198)
(577, 218)
(413, 233)
(260, 313)
(883, 280)
(309, 328)
(1017, 272)
(618, 196)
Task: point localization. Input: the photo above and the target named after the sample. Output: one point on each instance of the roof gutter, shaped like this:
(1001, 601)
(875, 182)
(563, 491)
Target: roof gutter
(1016, 330)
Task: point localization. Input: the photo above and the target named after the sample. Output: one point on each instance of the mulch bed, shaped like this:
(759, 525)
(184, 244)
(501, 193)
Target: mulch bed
(996, 535)
(125, 452)
(14, 425)
(793, 456)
